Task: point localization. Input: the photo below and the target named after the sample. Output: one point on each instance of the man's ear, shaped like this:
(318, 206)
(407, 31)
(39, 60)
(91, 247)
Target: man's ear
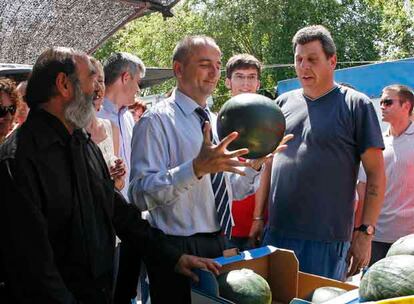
(407, 105)
(64, 86)
(258, 85)
(333, 61)
(227, 82)
(178, 69)
(125, 76)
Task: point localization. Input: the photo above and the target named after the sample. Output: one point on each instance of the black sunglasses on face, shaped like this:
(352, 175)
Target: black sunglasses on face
(386, 102)
(7, 109)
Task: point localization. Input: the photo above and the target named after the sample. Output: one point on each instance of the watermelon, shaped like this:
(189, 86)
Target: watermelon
(244, 286)
(388, 278)
(404, 245)
(258, 120)
(323, 294)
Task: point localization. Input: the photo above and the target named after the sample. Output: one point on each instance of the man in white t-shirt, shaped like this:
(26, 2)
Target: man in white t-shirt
(397, 214)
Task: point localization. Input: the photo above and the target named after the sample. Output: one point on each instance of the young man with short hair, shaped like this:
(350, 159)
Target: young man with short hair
(397, 214)
(243, 76)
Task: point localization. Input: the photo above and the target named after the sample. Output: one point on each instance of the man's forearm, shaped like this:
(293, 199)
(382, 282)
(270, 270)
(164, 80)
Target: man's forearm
(262, 193)
(374, 197)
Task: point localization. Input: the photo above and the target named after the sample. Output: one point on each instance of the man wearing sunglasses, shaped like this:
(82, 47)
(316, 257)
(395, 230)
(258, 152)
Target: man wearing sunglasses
(397, 213)
(8, 103)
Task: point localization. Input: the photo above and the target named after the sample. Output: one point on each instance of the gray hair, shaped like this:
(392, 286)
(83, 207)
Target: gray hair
(119, 63)
(184, 48)
(315, 33)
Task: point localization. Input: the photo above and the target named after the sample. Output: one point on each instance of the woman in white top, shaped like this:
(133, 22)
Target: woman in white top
(105, 134)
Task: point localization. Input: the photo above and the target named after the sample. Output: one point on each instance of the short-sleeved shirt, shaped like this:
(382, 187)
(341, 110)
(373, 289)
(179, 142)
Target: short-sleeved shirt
(313, 180)
(397, 214)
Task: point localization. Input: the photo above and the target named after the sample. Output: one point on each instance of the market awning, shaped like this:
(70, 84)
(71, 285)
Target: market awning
(27, 27)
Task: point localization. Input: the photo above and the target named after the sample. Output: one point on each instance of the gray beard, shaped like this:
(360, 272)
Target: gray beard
(79, 111)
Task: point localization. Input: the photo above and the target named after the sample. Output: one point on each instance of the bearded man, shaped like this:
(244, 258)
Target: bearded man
(59, 210)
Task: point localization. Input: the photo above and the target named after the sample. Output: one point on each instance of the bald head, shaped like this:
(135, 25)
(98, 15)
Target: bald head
(189, 44)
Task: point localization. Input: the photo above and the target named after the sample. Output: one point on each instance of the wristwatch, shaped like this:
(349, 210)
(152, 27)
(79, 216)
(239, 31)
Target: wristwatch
(367, 229)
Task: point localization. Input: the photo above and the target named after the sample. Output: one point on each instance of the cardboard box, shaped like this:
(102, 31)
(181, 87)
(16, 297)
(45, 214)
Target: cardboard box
(279, 267)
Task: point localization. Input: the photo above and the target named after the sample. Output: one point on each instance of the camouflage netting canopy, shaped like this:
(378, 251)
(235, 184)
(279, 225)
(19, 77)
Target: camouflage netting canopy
(27, 27)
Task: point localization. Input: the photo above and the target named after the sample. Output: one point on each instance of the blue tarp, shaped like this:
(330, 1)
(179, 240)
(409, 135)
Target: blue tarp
(369, 79)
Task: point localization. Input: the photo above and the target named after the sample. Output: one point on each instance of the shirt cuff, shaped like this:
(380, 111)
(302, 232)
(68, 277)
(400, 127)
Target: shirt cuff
(183, 176)
(252, 173)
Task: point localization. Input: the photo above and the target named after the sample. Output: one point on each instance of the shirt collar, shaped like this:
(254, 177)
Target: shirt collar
(408, 131)
(323, 95)
(51, 129)
(111, 107)
(186, 104)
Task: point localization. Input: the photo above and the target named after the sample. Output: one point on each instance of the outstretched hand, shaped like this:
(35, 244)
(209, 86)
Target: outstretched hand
(188, 262)
(216, 158)
(257, 163)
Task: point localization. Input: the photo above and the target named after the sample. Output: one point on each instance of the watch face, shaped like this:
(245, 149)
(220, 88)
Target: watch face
(370, 230)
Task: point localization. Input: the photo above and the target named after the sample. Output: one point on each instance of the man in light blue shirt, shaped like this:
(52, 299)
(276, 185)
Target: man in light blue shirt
(123, 72)
(176, 166)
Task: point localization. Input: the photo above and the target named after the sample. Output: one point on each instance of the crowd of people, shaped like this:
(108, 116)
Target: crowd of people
(84, 164)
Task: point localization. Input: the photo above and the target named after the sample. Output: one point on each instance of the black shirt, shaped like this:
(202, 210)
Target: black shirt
(58, 216)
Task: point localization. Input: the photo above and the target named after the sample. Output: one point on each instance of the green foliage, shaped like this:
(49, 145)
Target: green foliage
(153, 39)
(265, 29)
(397, 28)
(362, 29)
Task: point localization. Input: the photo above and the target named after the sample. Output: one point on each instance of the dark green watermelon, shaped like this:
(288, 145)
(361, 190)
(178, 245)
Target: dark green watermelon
(323, 294)
(244, 286)
(258, 120)
(404, 245)
(388, 278)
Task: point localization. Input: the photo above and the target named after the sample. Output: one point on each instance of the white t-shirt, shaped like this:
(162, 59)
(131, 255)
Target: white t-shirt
(397, 214)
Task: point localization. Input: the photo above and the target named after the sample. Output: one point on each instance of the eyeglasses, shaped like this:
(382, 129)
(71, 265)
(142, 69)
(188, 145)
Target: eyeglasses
(7, 109)
(386, 102)
(240, 78)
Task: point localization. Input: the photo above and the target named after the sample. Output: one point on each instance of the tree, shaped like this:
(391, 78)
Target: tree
(265, 29)
(153, 39)
(262, 28)
(397, 28)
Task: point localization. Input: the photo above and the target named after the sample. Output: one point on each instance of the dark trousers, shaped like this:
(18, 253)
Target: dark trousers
(167, 286)
(128, 274)
(378, 251)
(241, 243)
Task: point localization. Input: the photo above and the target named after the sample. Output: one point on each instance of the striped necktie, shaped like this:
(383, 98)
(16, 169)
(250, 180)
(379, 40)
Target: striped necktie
(221, 195)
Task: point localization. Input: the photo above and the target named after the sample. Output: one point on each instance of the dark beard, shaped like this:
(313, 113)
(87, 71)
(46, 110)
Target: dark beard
(79, 111)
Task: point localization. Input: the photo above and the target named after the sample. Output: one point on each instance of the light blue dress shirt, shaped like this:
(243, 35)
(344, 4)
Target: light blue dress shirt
(124, 120)
(165, 141)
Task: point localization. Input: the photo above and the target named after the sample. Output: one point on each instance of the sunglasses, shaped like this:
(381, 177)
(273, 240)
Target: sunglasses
(386, 102)
(7, 109)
